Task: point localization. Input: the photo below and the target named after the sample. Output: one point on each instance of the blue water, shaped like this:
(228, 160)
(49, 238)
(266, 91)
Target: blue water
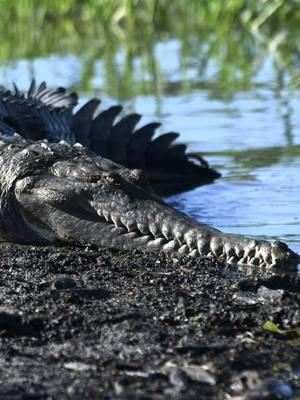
(252, 137)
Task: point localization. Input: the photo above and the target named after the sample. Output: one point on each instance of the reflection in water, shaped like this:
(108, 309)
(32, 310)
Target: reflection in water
(250, 159)
(283, 96)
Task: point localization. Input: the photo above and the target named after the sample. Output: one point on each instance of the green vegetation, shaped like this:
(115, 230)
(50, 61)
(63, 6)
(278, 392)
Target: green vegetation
(235, 36)
(274, 328)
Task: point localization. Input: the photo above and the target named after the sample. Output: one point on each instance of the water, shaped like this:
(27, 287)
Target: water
(252, 136)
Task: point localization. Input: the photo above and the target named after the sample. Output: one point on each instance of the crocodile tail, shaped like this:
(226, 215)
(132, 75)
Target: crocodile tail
(44, 113)
(169, 168)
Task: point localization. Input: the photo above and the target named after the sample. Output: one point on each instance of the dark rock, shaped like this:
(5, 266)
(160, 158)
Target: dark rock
(200, 374)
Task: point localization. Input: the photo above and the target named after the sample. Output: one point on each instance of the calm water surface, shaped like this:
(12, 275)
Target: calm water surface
(251, 137)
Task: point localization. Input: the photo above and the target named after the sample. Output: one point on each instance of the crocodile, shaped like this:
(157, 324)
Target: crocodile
(80, 178)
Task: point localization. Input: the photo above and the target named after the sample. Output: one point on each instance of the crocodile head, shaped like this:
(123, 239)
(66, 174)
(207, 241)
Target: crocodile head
(61, 193)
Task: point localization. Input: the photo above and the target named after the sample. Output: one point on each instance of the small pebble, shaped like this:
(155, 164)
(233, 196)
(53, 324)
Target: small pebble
(199, 374)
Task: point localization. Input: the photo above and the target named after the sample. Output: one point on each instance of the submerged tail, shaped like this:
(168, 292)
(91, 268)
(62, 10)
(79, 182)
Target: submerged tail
(43, 113)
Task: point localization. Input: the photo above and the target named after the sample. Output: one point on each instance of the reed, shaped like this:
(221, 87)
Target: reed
(235, 38)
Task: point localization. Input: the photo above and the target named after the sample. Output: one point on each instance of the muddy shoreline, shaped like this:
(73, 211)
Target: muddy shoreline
(81, 323)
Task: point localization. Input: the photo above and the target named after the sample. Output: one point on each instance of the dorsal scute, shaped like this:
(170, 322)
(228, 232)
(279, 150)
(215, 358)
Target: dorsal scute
(41, 96)
(40, 113)
(53, 98)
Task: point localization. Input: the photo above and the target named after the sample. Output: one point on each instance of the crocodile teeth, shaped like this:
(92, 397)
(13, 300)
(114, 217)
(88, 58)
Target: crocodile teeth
(129, 224)
(145, 238)
(115, 220)
(106, 215)
(191, 243)
(143, 228)
(229, 251)
(179, 240)
(183, 249)
(232, 260)
(216, 247)
(251, 253)
(171, 245)
(202, 247)
(131, 227)
(200, 250)
(153, 229)
(239, 252)
(157, 243)
(166, 232)
(194, 253)
(255, 261)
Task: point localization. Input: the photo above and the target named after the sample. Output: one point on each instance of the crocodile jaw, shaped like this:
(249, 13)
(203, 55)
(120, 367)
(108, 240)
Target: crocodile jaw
(116, 220)
(170, 231)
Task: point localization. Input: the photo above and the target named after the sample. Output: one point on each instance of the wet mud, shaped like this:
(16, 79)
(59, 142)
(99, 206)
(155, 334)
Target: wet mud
(82, 323)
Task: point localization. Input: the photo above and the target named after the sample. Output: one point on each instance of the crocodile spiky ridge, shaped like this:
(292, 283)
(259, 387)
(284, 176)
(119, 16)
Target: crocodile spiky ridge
(43, 113)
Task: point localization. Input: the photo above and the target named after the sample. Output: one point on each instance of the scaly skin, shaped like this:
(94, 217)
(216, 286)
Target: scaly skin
(57, 193)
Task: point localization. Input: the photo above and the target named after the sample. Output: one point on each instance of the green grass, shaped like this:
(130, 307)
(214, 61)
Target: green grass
(235, 37)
